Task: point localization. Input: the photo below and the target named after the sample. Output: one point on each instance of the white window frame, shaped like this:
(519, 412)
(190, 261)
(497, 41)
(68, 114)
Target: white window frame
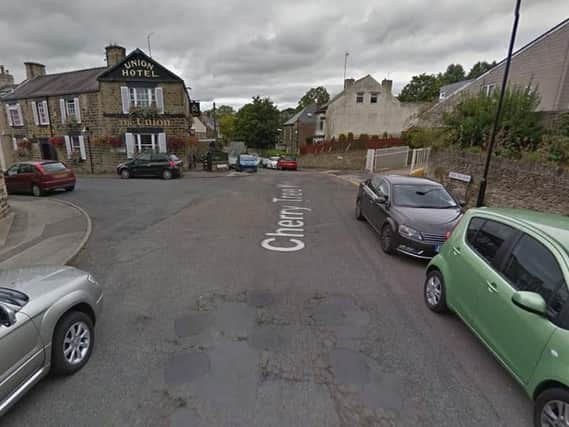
(69, 113)
(135, 99)
(138, 142)
(15, 115)
(41, 108)
(489, 89)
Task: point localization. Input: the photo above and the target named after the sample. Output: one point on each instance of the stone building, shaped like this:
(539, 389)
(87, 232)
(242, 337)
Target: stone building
(367, 107)
(299, 130)
(95, 118)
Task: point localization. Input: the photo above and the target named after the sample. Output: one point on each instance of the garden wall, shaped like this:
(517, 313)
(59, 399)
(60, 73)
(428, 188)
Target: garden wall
(511, 183)
(352, 160)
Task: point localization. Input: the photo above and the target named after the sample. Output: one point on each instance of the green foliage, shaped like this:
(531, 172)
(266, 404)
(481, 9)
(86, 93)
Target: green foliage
(225, 110)
(425, 137)
(453, 74)
(422, 88)
(350, 137)
(342, 137)
(227, 127)
(286, 115)
(257, 123)
(317, 95)
(480, 68)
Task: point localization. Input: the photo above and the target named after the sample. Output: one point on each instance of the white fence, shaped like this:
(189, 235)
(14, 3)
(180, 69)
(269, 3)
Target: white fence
(420, 159)
(387, 159)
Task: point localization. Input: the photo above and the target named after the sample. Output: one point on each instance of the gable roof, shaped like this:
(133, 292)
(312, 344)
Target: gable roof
(304, 115)
(356, 83)
(113, 74)
(67, 83)
(453, 87)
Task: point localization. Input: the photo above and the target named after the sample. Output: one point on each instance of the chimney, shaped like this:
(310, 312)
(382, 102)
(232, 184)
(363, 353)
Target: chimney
(387, 85)
(6, 79)
(348, 83)
(33, 69)
(115, 54)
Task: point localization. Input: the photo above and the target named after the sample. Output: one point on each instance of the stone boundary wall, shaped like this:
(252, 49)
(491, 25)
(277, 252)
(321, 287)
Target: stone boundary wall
(511, 183)
(352, 160)
(4, 207)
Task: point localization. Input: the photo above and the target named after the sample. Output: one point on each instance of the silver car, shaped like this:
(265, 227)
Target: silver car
(47, 318)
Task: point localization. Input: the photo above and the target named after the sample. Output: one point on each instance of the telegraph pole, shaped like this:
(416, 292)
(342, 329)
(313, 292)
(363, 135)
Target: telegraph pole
(483, 181)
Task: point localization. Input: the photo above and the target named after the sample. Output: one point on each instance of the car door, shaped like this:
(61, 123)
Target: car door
(158, 163)
(516, 335)
(141, 165)
(473, 269)
(11, 179)
(379, 206)
(22, 353)
(26, 176)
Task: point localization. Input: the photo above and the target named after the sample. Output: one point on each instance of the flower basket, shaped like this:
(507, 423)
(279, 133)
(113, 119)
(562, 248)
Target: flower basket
(56, 140)
(175, 143)
(115, 141)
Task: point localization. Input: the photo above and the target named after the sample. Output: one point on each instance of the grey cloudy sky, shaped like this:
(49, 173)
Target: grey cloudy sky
(231, 50)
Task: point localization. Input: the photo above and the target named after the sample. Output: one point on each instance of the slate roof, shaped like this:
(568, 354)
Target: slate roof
(453, 87)
(307, 114)
(71, 82)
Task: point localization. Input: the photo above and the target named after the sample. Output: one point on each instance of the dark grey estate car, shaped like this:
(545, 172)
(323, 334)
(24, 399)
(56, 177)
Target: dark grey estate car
(413, 216)
(47, 318)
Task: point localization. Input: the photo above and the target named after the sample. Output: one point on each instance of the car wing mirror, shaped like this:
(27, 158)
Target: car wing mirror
(7, 316)
(530, 301)
(381, 200)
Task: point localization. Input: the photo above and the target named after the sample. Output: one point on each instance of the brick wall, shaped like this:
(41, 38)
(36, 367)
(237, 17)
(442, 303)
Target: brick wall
(511, 183)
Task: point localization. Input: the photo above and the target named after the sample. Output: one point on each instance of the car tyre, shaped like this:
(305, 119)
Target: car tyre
(386, 237)
(166, 174)
(70, 188)
(73, 342)
(435, 292)
(125, 174)
(359, 215)
(550, 407)
(37, 191)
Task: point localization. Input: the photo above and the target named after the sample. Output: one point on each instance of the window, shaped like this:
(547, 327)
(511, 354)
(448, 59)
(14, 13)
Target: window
(75, 143)
(360, 97)
(373, 99)
(473, 228)
(146, 143)
(489, 89)
(490, 238)
(13, 170)
(54, 167)
(423, 196)
(26, 168)
(443, 95)
(70, 106)
(532, 267)
(380, 185)
(142, 97)
(322, 121)
(15, 117)
(42, 113)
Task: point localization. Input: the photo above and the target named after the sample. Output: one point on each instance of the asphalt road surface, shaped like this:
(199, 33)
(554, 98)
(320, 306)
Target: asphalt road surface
(203, 326)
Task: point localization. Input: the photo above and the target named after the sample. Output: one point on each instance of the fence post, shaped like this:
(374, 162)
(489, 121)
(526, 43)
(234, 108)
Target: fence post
(413, 160)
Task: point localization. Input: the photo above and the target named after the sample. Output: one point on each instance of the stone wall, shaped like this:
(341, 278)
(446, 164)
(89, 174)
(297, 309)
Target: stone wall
(352, 160)
(511, 183)
(4, 208)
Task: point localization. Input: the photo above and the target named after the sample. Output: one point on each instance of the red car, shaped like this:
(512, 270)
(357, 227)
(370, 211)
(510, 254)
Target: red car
(288, 163)
(39, 177)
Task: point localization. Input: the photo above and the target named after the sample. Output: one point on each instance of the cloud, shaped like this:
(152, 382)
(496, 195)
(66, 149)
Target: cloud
(230, 50)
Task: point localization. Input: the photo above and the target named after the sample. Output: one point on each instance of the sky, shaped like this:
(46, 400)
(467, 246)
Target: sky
(228, 51)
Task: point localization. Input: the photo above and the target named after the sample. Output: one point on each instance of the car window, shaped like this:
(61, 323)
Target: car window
(13, 170)
(54, 167)
(143, 158)
(380, 185)
(159, 158)
(490, 238)
(26, 168)
(473, 227)
(422, 196)
(532, 267)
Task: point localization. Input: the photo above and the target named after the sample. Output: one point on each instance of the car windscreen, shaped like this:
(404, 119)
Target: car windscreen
(53, 167)
(276, 159)
(422, 196)
(13, 297)
(248, 158)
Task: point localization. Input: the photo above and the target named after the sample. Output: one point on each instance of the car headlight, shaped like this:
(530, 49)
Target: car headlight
(410, 233)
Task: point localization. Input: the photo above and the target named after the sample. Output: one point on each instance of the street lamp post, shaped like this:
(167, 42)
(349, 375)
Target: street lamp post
(483, 181)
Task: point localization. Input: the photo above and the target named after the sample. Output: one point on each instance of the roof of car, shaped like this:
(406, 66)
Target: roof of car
(554, 226)
(401, 179)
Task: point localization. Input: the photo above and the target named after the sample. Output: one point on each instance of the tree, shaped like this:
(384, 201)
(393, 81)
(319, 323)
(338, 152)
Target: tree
(257, 123)
(453, 74)
(227, 127)
(470, 123)
(422, 88)
(317, 95)
(225, 110)
(286, 114)
(480, 68)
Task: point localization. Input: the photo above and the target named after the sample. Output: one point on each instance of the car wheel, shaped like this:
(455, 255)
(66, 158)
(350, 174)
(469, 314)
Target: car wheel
(37, 191)
(71, 188)
(551, 408)
(435, 295)
(166, 174)
(73, 342)
(387, 239)
(359, 215)
(125, 174)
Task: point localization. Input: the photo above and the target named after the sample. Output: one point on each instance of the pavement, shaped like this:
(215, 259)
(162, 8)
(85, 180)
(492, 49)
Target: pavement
(42, 231)
(356, 177)
(206, 324)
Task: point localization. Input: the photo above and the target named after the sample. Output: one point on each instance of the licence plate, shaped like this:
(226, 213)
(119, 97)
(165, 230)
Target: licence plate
(437, 248)
(60, 175)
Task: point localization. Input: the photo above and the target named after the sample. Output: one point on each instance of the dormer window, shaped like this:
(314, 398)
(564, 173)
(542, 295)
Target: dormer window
(360, 98)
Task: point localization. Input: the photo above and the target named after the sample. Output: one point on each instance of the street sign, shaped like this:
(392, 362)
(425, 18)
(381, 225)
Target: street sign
(460, 177)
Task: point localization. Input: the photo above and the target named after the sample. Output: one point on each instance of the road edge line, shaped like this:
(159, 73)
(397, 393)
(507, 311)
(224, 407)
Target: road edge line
(87, 235)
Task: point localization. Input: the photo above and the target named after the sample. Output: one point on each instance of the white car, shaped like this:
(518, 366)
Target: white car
(272, 162)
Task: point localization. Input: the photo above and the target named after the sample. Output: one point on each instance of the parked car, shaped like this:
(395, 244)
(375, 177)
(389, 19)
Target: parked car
(272, 162)
(162, 165)
(413, 216)
(264, 161)
(247, 163)
(39, 177)
(232, 160)
(47, 319)
(505, 273)
(288, 163)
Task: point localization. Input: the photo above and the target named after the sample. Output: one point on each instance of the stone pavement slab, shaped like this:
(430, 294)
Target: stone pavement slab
(42, 231)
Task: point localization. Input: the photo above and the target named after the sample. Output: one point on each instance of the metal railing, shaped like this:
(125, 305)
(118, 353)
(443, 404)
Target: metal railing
(420, 159)
(383, 159)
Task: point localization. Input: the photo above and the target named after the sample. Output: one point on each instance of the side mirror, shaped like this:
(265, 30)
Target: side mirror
(530, 301)
(462, 203)
(7, 316)
(381, 200)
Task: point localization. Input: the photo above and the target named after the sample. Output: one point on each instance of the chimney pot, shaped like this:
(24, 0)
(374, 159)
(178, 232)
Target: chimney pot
(6, 79)
(348, 83)
(115, 54)
(387, 86)
(34, 69)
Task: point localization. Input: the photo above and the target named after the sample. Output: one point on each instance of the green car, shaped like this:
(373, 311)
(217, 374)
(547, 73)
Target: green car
(505, 273)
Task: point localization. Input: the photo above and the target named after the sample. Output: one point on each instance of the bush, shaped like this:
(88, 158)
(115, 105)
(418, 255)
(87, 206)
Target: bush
(342, 138)
(555, 148)
(364, 138)
(426, 137)
(350, 137)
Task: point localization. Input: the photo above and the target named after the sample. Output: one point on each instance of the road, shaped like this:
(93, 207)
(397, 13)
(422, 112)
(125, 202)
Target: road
(204, 327)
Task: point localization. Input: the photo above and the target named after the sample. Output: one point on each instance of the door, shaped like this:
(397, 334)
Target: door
(22, 353)
(379, 211)
(517, 336)
(26, 176)
(476, 261)
(48, 152)
(158, 164)
(11, 179)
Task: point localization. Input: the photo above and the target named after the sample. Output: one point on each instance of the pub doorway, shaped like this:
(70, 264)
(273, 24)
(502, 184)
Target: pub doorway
(48, 151)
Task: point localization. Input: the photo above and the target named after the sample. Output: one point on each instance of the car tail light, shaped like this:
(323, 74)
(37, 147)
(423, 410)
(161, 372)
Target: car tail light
(172, 163)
